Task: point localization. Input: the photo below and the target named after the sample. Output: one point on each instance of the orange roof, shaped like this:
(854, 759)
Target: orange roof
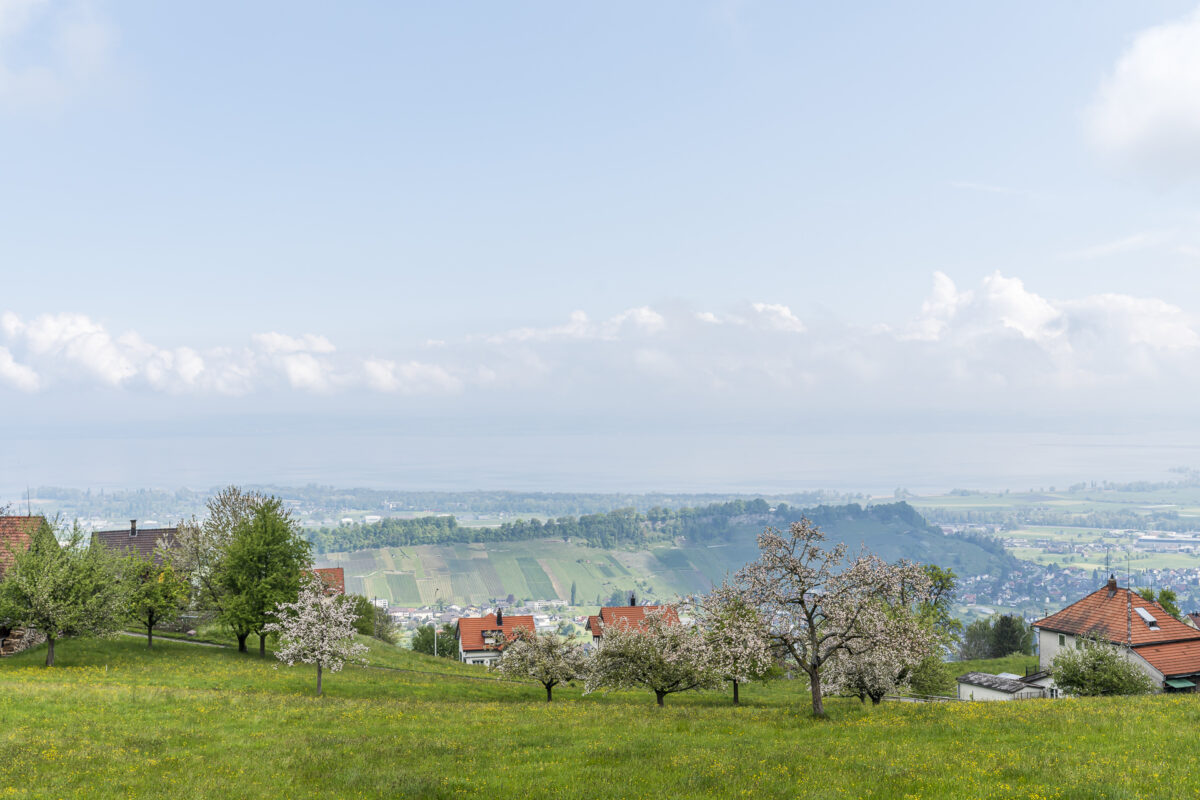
(1106, 611)
(16, 534)
(470, 629)
(623, 615)
(334, 579)
(1175, 658)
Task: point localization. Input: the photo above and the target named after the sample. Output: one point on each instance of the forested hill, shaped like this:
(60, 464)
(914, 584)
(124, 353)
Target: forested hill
(892, 531)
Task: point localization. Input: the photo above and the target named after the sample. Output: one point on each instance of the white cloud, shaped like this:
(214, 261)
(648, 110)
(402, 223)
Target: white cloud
(280, 343)
(412, 377)
(1146, 113)
(17, 375)
(995, 343)
(779, 317)
(66, 48)
(579, 327)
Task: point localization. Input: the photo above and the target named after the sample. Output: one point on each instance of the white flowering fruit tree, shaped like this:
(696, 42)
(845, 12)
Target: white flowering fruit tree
(316, 629)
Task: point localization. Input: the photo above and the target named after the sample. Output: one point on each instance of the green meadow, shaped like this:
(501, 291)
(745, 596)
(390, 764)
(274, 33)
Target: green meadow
(114, 720)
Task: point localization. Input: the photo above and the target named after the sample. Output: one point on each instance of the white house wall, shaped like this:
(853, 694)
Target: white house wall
(1048, 648)
(968, 691)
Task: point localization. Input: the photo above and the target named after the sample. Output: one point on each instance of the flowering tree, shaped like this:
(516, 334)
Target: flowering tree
(200, 546)
(875, 666)
(820, 606)
(547, 658)
(737, 636)
(660, 654)
(67, 589)
(316, 629)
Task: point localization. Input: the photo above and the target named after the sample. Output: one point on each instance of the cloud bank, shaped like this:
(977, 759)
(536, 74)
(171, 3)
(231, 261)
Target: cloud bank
(997, 342)
(1146, 113)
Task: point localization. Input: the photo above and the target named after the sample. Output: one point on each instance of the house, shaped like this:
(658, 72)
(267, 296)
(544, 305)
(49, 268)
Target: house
(16, 534)
(334, 579)
(1163, 647)
(632, 614)
(133, 541)
(1005, 686)
(479, 637)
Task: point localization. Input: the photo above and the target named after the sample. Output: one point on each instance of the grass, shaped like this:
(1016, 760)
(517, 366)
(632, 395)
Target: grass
(115, 720)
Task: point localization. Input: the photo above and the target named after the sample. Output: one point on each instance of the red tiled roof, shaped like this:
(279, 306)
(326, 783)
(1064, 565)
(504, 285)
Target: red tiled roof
(623, 615)
(1106, 611)
(1176, 658)
(334, 579)
(470, 629)
(15, 535)
(135, 542)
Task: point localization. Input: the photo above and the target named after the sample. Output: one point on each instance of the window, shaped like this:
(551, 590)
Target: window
(1062, 640)
(1079, 644)
(1148, 618)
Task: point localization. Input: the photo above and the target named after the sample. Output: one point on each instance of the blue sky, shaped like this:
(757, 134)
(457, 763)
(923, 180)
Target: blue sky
(556, 219)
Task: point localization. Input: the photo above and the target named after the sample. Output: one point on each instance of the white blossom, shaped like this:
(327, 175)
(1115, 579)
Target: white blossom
(659, 654)
(547, 658)
(316, 629)
(819, 610)
(737, 636)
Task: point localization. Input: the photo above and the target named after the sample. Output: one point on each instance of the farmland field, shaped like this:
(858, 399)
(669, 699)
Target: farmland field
(537, 570)
(114, 720)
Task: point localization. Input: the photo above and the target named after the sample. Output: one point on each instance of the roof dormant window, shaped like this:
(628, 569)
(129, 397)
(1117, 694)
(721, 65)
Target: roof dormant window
(1148, 618)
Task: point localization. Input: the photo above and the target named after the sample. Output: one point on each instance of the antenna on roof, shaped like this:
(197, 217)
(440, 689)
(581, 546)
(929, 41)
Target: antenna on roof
(28, 502)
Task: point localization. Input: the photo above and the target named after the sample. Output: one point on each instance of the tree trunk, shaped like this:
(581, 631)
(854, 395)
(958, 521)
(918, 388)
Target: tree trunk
(659, 695)
(262, 645)
(735, 693)
(814, 679)
(150, 630)
(242, 641)
(875, 699)
(318, 679)
(49, 651)
(549, 686)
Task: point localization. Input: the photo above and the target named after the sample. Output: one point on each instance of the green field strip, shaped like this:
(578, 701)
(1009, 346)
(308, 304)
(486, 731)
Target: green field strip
(511, 576)
(403, 589)
(617, 566)
(491, 580)
(540, 587)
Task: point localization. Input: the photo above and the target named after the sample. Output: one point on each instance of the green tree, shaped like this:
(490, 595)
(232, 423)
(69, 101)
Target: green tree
(976, 641)
(447, 642)
(156, 594)
(1098, 668)
(371, 620)
(1165, 598)
(1011, 634)
(573, 590)
(262, 568)
(63, 590)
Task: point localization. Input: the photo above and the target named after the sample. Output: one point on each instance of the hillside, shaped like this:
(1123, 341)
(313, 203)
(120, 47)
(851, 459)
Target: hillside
(117, 721)
(679, 552)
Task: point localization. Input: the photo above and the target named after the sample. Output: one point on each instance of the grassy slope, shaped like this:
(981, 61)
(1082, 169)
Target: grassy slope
(113, 720)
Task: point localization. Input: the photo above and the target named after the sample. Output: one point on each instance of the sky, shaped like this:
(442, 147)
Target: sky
(681, 245)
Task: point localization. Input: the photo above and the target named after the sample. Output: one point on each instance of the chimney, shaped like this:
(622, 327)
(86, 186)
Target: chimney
(632, 600)
(133, 527)
(1111, 585)
(500, 616)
